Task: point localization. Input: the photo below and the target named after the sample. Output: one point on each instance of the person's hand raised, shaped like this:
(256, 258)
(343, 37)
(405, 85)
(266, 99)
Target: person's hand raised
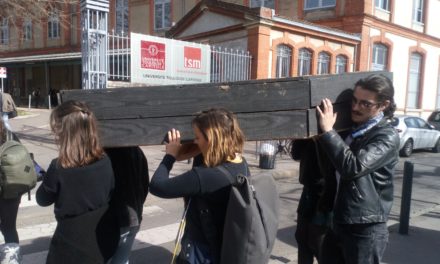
(173, 145)
(327, 118)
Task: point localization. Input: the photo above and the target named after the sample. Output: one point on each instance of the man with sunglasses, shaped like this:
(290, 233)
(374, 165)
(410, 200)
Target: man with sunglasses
(364, 161)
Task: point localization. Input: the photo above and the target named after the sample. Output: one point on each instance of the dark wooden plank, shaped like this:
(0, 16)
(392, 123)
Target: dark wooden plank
(336, 87)
(181, 100)
(151, 131)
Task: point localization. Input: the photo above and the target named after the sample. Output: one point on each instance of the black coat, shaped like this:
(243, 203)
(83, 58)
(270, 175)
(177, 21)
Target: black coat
(316, 174)
(87, 239)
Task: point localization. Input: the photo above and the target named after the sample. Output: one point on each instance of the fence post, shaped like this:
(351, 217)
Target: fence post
(29, 107)
(405, 206)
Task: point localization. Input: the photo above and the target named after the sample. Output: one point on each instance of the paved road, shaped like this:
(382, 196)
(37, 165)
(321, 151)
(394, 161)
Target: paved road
(155, 240)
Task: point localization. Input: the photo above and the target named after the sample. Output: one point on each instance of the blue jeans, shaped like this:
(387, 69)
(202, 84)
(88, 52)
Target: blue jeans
(355, 244)
(123, 250)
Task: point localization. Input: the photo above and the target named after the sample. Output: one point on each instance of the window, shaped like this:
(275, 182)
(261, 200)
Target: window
(380, 57)
(383, 4)
(413, 96)
(53, 25)
(418, 11)
(162, 14)
(323, 63)
(311, 4)
(27, 29)
(341, 64)
(284, 60)
(304, 62)
(121, 17)
(438, 92)
(265, 3)
(4, 32)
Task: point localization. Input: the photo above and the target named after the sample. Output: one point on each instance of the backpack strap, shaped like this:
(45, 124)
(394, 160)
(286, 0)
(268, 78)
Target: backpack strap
(206, 218)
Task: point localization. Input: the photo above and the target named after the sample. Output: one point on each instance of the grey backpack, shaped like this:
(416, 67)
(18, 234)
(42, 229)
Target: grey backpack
(17, 173)
(251, 221)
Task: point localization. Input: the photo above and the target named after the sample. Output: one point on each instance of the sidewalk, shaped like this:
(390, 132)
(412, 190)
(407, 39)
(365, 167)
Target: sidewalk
(421, 245)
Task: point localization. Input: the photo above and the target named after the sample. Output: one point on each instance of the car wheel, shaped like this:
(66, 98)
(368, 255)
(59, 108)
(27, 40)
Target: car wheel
(436, 148)
(407, 148)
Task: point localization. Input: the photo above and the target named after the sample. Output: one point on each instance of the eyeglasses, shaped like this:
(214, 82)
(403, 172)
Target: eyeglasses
(363, 104)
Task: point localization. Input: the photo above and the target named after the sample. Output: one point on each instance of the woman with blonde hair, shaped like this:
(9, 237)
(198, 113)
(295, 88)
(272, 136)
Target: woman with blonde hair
(218, 142)
(79, 183)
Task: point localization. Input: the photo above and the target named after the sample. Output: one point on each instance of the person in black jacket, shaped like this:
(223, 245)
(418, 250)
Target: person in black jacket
(130, 168)
(218, 142)
(315, 206)
(365, 162)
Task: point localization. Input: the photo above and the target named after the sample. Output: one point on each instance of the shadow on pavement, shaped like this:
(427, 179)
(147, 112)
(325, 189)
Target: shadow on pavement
(41, 139)
(421, 245)
(151, 255)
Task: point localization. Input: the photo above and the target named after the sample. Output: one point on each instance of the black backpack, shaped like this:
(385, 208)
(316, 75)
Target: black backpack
(251, 221)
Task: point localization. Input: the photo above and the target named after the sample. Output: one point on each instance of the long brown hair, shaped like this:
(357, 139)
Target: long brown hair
(75, 129)
(225, 138)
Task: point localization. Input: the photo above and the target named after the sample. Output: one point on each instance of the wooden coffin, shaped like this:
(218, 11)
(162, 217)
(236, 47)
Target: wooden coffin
(266, 109)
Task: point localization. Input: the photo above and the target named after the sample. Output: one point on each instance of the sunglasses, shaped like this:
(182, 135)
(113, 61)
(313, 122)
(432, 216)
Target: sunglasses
(362, 103)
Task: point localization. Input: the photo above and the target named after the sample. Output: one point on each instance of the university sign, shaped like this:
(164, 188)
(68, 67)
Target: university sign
(157, 60)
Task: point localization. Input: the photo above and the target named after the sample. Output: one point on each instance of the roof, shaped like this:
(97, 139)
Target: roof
(255, 14)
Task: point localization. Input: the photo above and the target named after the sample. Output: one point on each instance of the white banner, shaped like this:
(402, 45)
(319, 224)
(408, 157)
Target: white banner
(156, 60)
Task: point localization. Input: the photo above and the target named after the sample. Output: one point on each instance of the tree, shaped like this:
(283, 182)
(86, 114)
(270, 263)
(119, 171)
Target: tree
(15, 10)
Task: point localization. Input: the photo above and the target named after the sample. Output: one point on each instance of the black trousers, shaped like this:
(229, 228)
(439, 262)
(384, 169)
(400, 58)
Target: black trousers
(8, 219)
(355, 244)
(309, 237)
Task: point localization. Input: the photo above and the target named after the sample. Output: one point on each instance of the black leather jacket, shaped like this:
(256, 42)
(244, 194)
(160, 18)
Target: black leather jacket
(366, 167)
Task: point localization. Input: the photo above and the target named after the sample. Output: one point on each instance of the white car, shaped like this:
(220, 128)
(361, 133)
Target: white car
(415, 133)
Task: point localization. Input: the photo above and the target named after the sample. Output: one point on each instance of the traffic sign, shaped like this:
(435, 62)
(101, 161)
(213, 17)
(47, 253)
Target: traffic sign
(2, 72)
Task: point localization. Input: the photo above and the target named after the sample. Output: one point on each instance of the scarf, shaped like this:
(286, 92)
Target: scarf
(362, 129)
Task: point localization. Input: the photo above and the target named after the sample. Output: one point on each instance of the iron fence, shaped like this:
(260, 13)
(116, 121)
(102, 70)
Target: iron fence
(118, 54)
(229, 65)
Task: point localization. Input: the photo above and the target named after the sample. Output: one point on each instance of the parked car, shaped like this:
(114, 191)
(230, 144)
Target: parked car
(434, 119)
(415, 133)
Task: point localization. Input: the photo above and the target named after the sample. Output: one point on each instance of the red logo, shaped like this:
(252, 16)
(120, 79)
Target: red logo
(152, 55)
(192, 58)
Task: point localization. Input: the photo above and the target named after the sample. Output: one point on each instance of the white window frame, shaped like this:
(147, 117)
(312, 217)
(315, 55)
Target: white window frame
(382, 4)
(341, 64)
(261, 3)
(415, 73)
(284, 61)
(4, 31)
(164, 23)
(320, 4)
(438, 92)
(27, 29)
(377, 65)
(53, 25)
(121, 17)
(304, 62)
(323, 63)
(418, 11)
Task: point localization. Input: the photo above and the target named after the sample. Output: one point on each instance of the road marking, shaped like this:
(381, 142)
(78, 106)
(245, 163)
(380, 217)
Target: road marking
(155, 236)
(47, 229)
(25, 201)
